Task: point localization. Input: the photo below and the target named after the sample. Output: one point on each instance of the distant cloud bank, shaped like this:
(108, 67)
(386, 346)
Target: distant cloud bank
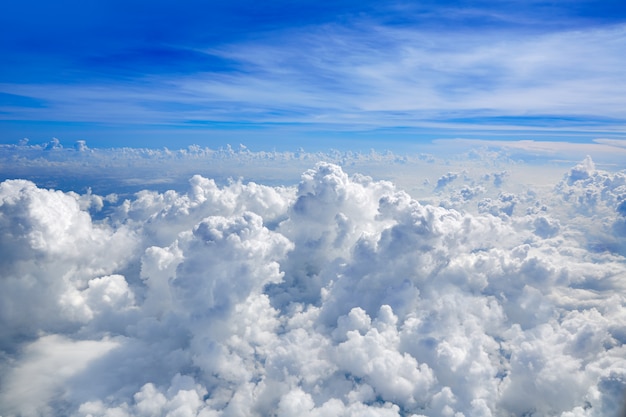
(340, 295)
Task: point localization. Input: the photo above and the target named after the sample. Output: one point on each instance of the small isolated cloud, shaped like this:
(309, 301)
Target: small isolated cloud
(446, 179)
(81, 146)
(53, 144)
(339, 295)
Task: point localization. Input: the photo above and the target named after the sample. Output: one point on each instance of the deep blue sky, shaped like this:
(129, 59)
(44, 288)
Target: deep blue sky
(284, 74)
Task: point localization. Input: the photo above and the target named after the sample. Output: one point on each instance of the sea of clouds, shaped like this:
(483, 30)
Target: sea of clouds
(342, 295)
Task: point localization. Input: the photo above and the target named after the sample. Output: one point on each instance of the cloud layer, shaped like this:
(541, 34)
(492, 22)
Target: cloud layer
(341, 296)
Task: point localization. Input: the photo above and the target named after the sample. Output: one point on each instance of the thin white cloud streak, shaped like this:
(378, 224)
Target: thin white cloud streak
(380, 69)
(368, 76)
(620, 143)
(604, 149)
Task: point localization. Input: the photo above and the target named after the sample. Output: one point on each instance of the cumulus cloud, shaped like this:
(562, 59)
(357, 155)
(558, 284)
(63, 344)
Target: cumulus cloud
(446, 179)
(51, 250)
(340, 296)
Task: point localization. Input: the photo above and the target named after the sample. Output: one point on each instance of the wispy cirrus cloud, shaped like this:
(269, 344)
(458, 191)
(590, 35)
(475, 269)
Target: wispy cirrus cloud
(359, 73)
(370, 75)
(381, 69)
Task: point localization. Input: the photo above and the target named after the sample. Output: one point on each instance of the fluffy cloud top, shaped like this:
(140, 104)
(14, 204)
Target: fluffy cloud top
(342, 296)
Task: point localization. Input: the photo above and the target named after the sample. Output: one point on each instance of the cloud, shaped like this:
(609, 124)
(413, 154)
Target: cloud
(620, 143)
(531, 150)
(48, 245)
(446, 179)
(367, 74)
(339, 295)
(44, 368)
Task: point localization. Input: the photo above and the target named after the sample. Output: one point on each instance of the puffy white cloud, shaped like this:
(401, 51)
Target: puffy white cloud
(162, 216)
(340, 296)
(594, 200)
(446, 179)
(51, 255)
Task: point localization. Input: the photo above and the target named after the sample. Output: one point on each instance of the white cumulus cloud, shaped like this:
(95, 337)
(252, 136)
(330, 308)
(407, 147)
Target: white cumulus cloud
(339, 296)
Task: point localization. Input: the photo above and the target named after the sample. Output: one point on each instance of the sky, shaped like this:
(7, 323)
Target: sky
(284, 75)
(341, 209)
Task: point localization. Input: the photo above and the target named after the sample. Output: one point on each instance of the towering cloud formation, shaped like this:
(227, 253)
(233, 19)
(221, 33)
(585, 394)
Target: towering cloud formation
(340, 297)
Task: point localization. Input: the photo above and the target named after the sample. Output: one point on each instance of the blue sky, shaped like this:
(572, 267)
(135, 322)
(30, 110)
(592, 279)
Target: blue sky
(346, 74)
